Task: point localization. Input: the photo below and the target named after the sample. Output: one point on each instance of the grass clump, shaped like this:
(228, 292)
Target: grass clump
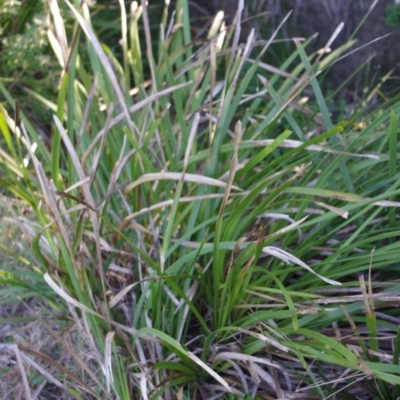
(392, 18)
(205, 230)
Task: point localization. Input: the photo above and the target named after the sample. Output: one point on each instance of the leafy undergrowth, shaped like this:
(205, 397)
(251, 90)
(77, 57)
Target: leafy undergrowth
(198, 231)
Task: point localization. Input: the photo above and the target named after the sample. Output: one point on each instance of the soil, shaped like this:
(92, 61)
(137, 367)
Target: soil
(323, 16)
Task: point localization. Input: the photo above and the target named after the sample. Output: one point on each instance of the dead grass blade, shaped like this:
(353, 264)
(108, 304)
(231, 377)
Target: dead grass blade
(73, 354)
(192, 135)
(67, 297)
(289, 258)
(232, 170)
(294, 144)
(59, 41)
(177, 176)
(149, 43)
(190, 294)
(66, 371)
(136, 107)
(87, 193)
(106, 64)
(327, 46)
(168, 203)
(275, 70)
(210, 371)
(236, 36)
(22, 371)
(97, 156)
(265, 339)
(342, 213)
(107, 360)
(264, 376)
(46, 374)
(230, 355)
(293, 225)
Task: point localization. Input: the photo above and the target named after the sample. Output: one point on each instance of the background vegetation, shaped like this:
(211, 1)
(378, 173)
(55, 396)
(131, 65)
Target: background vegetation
(184, 219)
